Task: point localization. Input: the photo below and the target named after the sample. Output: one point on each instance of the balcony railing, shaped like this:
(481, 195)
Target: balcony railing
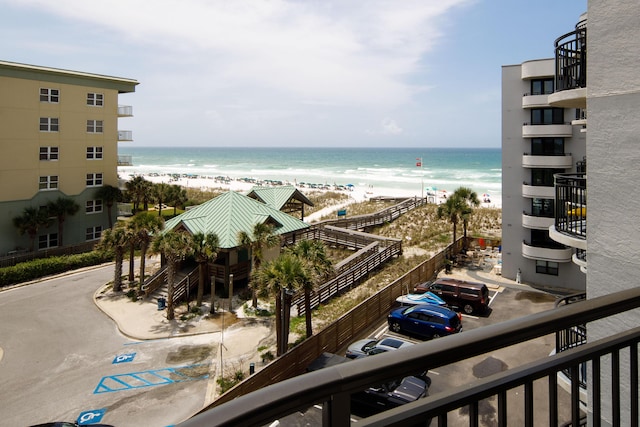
(571, 205)
(331, 387)
(125, 160)
(571, 59)
(125, 111)
(125, 135)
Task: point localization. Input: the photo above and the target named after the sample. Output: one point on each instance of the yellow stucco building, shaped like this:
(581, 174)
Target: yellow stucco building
(59, 137)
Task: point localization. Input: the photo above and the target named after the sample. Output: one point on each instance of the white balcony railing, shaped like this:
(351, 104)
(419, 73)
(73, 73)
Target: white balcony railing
(125, 135)
(125, 111)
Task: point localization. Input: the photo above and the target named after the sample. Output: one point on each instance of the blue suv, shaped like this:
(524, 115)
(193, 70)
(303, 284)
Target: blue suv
(425, 320)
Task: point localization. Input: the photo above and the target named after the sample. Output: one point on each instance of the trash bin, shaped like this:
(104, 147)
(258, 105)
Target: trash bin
(162, 303)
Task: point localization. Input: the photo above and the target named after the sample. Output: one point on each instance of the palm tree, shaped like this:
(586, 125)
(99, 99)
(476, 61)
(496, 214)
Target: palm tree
(32, 220)
(161, 195)
(135, 191)
(143, 226)
(453, 209)
(175, 246)
(205, 248)
(109, 195)
(314, 255)
(177, 196)
(470, 197)
(60, 208)
(262, 237)
(116, 239)
(279, 278)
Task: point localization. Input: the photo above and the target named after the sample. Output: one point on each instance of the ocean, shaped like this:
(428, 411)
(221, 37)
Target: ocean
(379, 169)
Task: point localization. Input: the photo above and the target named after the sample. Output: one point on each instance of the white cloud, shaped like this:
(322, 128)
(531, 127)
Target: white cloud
(279, 59)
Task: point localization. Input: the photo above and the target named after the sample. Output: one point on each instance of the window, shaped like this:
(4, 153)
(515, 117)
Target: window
(48, 124)
(93, 206)
(48, 182)
(547, 267)
(542, 87)
(94, 126)
(542, 207)
(94, 179)
(48, 153)
(48, 241)
(95, 99)
(49, 95)
(541, 239)
(544, 177)
(94, 153)
(547, 146)
(547, 116)
(93, 233)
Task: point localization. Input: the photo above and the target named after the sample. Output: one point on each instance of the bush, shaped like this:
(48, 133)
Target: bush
(41, 267)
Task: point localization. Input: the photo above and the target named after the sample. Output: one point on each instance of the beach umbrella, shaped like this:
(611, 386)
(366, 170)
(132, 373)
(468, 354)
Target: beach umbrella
(486, 195)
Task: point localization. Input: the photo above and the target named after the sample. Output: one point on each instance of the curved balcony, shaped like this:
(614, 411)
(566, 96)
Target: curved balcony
(125, 111)
(570, 223)
(536, 69)
(545, 253)
(547, 131)
(535, 101)
(536, 222)
(537, 191)
(125, 135)
(571, 59)
(570, 98)
(564, 161)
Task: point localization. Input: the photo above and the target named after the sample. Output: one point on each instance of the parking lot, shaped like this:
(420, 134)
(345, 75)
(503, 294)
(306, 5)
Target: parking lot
(508, 300)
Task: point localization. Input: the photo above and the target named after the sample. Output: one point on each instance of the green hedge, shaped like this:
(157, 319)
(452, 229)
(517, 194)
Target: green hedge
(41, 267)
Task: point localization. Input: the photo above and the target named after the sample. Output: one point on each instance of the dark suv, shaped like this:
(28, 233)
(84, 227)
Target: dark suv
(469, 297)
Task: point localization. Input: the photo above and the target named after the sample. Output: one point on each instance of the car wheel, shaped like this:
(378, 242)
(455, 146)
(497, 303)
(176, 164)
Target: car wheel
(395, 327)
(434, 336)
(468, 308)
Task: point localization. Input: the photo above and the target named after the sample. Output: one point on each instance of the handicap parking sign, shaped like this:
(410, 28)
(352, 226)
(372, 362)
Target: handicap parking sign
(123, 358)
(91, 417)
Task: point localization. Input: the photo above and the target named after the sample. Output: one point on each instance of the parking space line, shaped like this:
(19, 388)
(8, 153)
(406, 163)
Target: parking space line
(143, 379)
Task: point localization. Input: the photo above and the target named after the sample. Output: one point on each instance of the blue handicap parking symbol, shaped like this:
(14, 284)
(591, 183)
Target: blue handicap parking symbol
(90, 417)
(123, 358)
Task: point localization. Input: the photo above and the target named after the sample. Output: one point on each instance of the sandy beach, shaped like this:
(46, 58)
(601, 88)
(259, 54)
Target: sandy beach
(355, 192)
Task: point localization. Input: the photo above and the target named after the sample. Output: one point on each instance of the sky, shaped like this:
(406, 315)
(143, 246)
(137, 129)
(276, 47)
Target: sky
(379, 73)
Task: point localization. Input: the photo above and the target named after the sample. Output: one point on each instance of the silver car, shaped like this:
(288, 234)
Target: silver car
(371, 346)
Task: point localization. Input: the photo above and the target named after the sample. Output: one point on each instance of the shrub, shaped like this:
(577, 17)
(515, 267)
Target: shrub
(41, 267)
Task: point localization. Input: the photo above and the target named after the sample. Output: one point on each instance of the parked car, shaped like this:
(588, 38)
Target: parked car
(467, 296)
(426, 320)
(423, 298)
(371, 346)
(374, 400)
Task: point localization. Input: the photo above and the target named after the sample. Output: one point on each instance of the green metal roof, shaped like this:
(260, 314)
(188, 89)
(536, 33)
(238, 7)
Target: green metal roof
(230, 213)
(277, 196)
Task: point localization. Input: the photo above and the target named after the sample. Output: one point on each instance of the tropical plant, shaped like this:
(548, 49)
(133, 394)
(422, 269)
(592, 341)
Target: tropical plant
(135, 191)
(313, 254)
(453, 209)
(470, 197)
(110, 195)
(60, 208)
(175, 246)
(205, 248)
(116, 239)
(32, 220)
(177, 196)
(161, 195)
(261, 238)
(143, 226)
(279, 278)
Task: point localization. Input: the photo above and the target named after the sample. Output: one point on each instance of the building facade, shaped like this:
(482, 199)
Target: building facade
(538, 141)
(59, 139)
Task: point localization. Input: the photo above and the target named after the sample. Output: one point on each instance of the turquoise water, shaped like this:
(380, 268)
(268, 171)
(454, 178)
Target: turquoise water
(388, 168)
